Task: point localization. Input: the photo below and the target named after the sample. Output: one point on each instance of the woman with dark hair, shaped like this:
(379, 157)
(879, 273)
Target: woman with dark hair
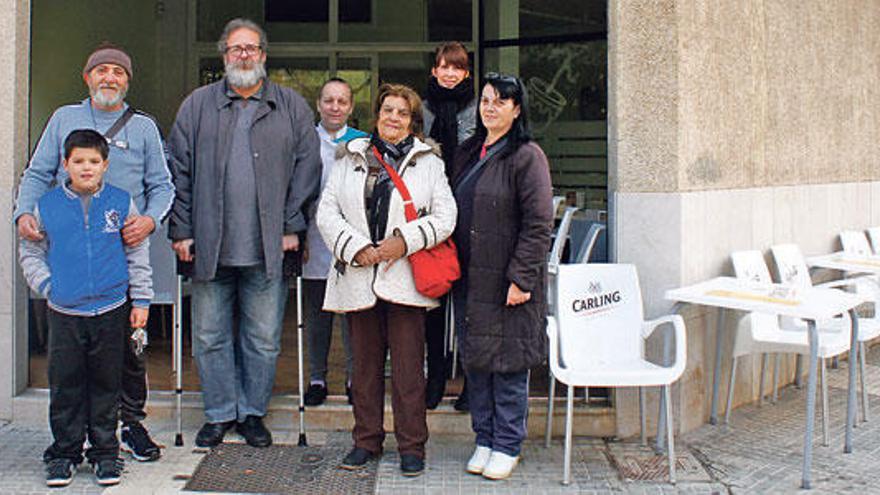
(450, 118)
(502, 186)
(361, 218)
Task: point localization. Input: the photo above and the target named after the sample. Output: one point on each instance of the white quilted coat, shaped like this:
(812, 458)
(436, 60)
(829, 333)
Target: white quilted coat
(342, 221)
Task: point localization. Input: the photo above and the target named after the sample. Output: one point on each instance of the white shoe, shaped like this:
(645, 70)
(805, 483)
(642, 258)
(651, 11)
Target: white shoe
(478, 461)
(500, 466)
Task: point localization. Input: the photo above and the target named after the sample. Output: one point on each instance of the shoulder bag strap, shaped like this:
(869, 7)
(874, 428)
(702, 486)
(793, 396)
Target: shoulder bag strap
(120, 123)
(408, 208)
(476, 168)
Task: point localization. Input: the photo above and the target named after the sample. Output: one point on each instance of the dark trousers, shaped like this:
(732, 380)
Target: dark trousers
(435, 332)
(133, 396)
(85, 368)
(499, 405)
(373, 331)
(499, 402)
(319, 329)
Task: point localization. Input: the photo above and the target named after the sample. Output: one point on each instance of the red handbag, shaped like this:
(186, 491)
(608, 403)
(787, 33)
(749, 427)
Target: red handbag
(434, 270)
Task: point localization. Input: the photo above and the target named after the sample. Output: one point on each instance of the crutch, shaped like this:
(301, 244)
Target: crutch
(184, 269)
(293, 267)
(177, 360)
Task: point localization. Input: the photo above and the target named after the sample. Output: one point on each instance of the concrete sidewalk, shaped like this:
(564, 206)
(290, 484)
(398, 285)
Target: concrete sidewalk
(759, 452)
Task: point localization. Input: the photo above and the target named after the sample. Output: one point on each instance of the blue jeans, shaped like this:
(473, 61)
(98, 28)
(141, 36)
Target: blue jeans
(237, 368)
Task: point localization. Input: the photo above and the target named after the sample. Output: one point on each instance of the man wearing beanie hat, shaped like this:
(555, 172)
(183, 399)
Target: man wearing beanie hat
(137, 165)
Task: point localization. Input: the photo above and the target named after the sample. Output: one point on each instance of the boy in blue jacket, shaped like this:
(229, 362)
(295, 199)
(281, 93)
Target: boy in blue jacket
(88, 276)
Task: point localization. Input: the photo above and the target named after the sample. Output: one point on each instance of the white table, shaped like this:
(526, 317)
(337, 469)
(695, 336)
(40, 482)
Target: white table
(810, 304)
(846, 262)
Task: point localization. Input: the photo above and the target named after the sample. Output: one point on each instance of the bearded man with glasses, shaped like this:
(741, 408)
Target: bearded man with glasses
(246, 163)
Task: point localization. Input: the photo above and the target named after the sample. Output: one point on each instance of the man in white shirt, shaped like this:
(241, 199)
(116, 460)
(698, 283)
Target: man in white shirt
(335, 104)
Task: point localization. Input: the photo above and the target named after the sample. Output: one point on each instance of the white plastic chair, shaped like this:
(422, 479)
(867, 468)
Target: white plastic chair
(874, 236)
(597, 338)
(582, 256)
(855, 242)
(761, 333)
(792, 269)
(555, 258)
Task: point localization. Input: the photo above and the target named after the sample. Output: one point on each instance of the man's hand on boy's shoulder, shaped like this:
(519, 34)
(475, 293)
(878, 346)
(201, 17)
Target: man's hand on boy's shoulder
(136, 229)
(138, 317)
(29, 228)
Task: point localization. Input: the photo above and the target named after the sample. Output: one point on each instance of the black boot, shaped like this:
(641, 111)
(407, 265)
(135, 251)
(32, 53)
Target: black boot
(461, 403)
(434, 389)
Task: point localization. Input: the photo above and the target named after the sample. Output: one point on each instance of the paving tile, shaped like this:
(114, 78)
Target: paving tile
(760, 451)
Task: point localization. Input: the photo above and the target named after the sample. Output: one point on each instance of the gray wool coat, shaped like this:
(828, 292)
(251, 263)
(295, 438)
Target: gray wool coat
(287, 165)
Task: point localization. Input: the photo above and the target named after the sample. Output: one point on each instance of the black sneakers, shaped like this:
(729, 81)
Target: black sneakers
(254, 432)
(411, 465)
(357, 459)
(315, 395)
(108, 471)
(136, 441)
(59, 472)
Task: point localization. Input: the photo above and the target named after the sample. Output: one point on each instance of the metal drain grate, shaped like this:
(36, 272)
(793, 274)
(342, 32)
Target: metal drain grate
(280, 469)
(649, 467)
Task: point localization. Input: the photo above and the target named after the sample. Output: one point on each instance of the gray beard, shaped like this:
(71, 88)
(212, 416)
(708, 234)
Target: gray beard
(245, 78)
(105, 101)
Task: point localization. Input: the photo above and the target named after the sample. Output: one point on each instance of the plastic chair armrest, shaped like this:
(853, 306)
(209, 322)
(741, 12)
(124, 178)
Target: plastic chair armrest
(853, 282)
(680, 333)
(847, 282)
(649, 326)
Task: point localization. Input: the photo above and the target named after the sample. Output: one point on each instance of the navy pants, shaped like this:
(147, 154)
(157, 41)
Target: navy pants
(499, 409)
(499, 402)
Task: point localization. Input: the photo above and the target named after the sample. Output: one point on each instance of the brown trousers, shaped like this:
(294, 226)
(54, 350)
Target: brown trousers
(373, 331)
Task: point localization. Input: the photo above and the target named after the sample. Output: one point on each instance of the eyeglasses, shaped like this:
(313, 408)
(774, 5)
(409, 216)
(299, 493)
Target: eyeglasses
(239, 50)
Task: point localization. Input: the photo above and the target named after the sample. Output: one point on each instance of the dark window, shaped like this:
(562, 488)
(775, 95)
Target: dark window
(312, 11)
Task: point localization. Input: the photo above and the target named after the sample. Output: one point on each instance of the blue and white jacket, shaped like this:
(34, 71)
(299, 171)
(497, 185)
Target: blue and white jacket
(82, 266)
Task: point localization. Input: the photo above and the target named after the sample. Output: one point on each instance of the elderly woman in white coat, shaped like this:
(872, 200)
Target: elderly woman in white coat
(361, 218)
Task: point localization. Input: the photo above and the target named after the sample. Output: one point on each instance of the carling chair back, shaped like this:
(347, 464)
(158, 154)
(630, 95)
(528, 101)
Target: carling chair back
(750, 265)
(855, 242)
(599, 316)
(790, 265)
(597, 338)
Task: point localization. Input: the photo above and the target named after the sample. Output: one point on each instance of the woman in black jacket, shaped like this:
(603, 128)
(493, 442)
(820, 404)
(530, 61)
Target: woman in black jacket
(501, 182)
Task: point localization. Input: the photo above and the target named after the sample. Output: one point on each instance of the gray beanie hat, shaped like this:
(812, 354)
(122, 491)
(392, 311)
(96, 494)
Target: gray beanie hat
(108, 55)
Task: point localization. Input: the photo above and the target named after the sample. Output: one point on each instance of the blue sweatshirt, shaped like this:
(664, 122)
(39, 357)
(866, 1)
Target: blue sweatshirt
(137, 159)
(82, 265)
